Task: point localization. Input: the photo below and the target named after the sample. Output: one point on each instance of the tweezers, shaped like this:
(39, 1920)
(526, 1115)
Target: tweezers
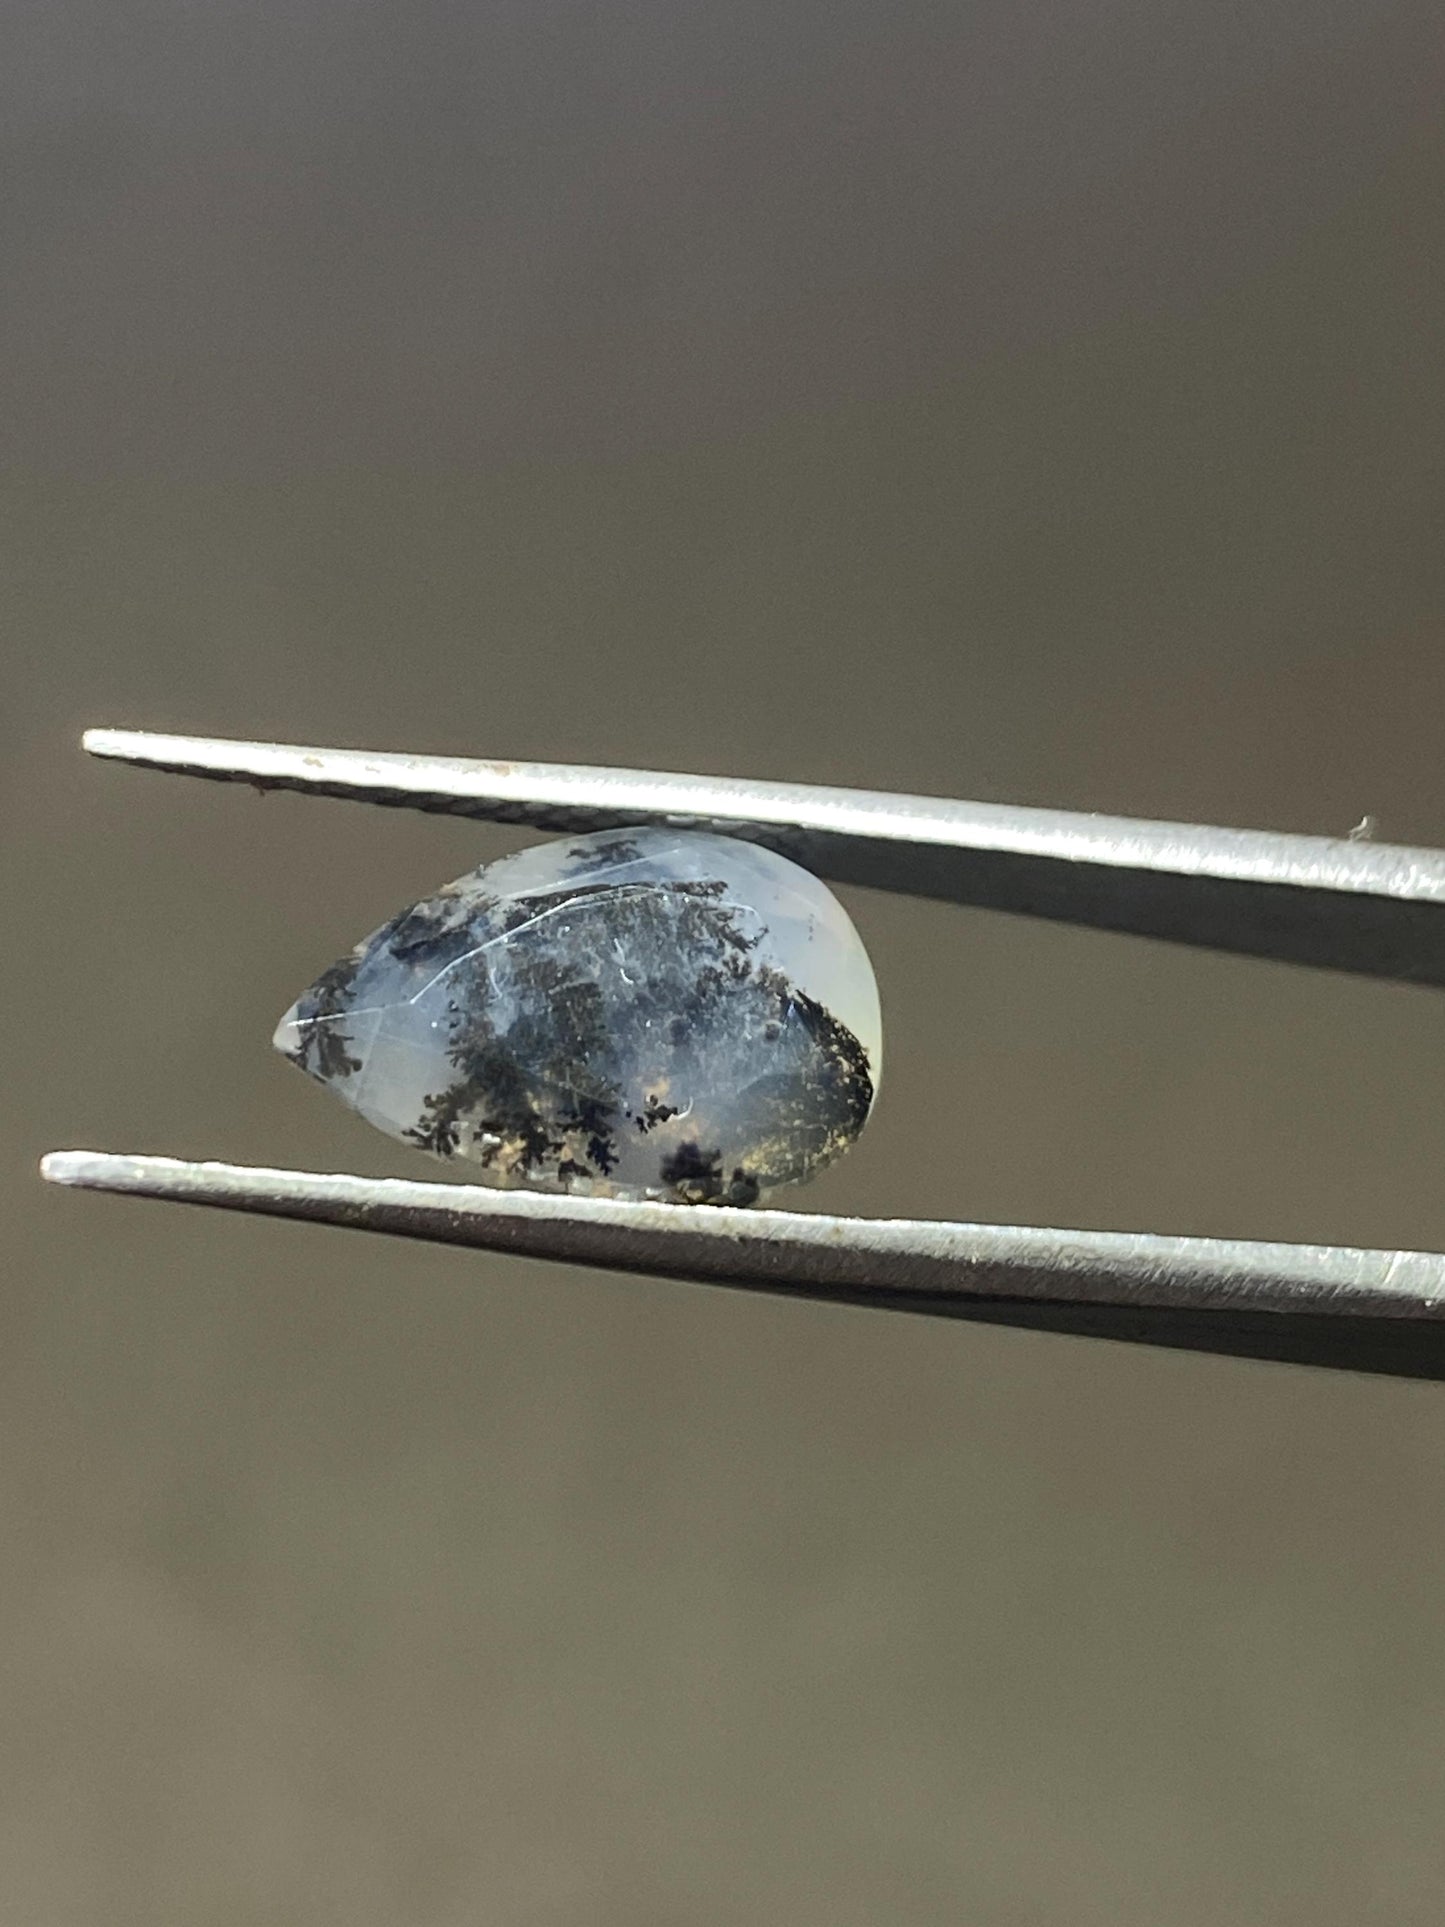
(1337, 904)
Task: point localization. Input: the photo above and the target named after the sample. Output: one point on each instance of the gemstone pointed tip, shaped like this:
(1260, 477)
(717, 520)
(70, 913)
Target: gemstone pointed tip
(287, 1035)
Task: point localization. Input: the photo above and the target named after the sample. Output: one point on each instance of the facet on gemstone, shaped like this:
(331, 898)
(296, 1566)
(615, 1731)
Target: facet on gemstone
(649, 1013)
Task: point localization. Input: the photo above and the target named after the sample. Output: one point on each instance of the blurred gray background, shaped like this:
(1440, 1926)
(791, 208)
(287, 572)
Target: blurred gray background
(1038, 403)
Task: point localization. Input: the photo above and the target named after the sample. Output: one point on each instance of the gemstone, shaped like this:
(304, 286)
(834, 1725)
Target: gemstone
(657, 1013)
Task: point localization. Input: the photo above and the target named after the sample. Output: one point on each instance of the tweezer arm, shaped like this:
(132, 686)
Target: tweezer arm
(1376, 909)
(1375, 1311)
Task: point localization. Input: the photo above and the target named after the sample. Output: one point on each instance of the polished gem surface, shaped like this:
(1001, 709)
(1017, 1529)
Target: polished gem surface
(649, 1013)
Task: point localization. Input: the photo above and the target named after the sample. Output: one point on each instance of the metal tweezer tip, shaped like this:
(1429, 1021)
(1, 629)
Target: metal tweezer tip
(1380, 1311)
(1331, 902)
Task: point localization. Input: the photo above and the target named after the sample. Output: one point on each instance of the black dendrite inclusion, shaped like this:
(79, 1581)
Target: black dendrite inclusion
(323, 1045)
(579, 1024)
(536, 1097)
(585, 859)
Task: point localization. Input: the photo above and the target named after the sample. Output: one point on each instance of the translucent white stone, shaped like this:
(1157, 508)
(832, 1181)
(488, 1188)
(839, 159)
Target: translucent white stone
(648, 1013)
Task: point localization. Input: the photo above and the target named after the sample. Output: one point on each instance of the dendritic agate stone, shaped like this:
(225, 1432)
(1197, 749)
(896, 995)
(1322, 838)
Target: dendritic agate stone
(654, 1013)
